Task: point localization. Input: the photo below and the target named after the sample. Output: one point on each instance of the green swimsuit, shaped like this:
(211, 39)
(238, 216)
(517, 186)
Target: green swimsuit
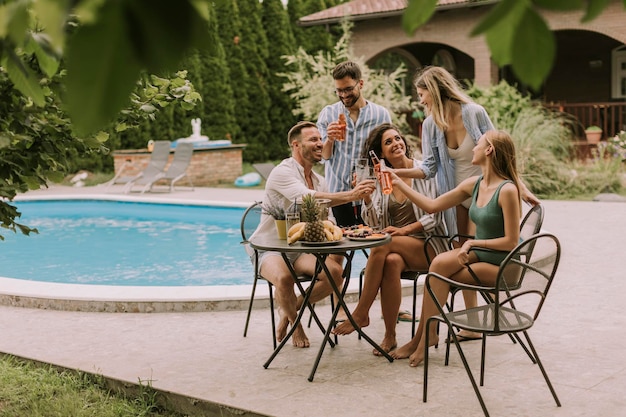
(489, 222)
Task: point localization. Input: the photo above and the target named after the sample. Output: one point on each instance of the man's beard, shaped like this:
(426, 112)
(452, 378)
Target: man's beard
(351, 101)
(309, 155)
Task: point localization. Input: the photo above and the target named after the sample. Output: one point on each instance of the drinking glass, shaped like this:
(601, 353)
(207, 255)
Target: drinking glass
(291, 219)
(361, 169)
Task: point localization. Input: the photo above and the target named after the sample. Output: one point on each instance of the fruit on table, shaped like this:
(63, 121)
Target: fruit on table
(314, 227)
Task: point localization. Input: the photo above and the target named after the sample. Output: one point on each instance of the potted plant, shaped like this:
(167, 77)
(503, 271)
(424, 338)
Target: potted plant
(594, 134)
(278, 213)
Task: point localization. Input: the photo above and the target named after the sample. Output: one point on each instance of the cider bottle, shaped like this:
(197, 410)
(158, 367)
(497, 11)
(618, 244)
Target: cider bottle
(384, 178)
(342, 125)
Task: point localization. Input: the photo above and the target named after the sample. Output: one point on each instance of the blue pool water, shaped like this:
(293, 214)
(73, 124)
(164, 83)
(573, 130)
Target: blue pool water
(127, 243)
(122, 243)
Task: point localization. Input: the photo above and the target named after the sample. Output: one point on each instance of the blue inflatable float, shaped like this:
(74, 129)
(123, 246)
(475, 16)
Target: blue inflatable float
(249, 180)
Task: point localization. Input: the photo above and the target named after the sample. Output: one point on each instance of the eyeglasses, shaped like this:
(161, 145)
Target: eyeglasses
(347, 90)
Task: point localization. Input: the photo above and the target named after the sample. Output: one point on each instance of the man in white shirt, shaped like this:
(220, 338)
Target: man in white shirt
(289, 181)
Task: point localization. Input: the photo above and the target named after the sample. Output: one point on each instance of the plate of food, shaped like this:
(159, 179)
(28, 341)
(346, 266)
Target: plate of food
(325, 243)
(371, 236)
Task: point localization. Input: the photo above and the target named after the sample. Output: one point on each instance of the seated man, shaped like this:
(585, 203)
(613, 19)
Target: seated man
(290, 180)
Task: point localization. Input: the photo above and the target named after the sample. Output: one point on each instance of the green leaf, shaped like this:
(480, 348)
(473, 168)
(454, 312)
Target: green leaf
(161, 31)
(51, 16)
(19, 21)
(23, 78)
(594, 8)
(101, 71)
(561, 5)
(31, 182)
(496, 15)
(534, 48)
(417, 13)
(49, 64)
(102, 136)
(500, 36)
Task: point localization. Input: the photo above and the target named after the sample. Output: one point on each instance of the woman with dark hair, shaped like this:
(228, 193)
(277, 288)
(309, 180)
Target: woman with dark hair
(495, 209)
(408, 226)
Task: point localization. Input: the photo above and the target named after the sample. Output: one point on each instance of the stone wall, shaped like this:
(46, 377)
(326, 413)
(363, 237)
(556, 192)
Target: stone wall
(208, 167)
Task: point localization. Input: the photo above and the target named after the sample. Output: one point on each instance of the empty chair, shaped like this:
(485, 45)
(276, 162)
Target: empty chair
(176, 170)
(158, 161)
(522, 284)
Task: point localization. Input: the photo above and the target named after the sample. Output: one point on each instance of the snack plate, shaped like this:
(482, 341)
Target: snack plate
(326, 243)
(377, 236)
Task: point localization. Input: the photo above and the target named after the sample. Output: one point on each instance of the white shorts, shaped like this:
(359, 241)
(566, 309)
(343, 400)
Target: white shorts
(263, 255)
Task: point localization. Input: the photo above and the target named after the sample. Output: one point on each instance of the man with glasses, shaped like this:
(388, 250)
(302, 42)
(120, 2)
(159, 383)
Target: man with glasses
(361, 117)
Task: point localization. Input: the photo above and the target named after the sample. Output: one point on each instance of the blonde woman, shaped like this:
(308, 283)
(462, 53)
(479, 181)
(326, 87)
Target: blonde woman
(449, 133)
(495, 209)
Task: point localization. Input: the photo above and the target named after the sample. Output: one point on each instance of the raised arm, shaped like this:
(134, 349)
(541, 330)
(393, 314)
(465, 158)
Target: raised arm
(452, 198)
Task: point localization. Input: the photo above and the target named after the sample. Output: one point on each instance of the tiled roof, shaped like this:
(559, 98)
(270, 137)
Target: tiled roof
(363, 9)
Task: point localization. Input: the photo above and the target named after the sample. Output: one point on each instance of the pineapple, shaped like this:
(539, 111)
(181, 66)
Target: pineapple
(314, 228)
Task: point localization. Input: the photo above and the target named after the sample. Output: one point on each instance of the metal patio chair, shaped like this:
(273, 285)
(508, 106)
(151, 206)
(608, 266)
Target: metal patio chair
(522, 284)
(529, 226)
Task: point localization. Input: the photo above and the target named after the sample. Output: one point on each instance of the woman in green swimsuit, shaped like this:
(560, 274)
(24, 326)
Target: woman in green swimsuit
(495, 210)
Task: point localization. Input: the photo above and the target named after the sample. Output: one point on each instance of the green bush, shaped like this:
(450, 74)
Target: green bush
(544, 144)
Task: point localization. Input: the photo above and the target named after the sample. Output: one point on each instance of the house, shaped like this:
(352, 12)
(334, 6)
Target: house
(588, 79)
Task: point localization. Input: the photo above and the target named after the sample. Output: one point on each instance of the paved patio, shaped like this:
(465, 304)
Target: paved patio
(203, 356)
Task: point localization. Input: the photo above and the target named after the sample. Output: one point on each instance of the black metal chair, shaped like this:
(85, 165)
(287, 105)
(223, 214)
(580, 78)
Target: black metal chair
(522, 284)
(249, 222)
(529, 226)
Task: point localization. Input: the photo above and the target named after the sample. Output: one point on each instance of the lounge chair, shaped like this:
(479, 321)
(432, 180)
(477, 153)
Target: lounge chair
(158, 160)
(176, 170)
(264, 169)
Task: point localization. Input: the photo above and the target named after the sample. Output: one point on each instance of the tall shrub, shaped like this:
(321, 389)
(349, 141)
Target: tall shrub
(280, 43)
(255, 124)
(229, 31)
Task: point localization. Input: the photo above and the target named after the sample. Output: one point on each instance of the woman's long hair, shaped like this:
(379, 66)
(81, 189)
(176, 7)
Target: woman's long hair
(503, 160)
(375, 139)
(444, 90)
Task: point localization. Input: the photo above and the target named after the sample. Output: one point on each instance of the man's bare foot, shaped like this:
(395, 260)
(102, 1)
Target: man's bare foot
(346, 327)
(299, 338)
(388, 344)
(281, 329)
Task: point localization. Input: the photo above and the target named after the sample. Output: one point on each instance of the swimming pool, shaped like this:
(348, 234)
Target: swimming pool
(127, 244)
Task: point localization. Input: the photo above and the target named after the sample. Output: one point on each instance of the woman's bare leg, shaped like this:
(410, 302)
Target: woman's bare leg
(372, 279)
(390, 299)
(446, 264)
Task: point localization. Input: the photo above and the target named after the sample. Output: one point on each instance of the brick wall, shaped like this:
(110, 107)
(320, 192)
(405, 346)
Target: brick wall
(208, 167)
(451, 28)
